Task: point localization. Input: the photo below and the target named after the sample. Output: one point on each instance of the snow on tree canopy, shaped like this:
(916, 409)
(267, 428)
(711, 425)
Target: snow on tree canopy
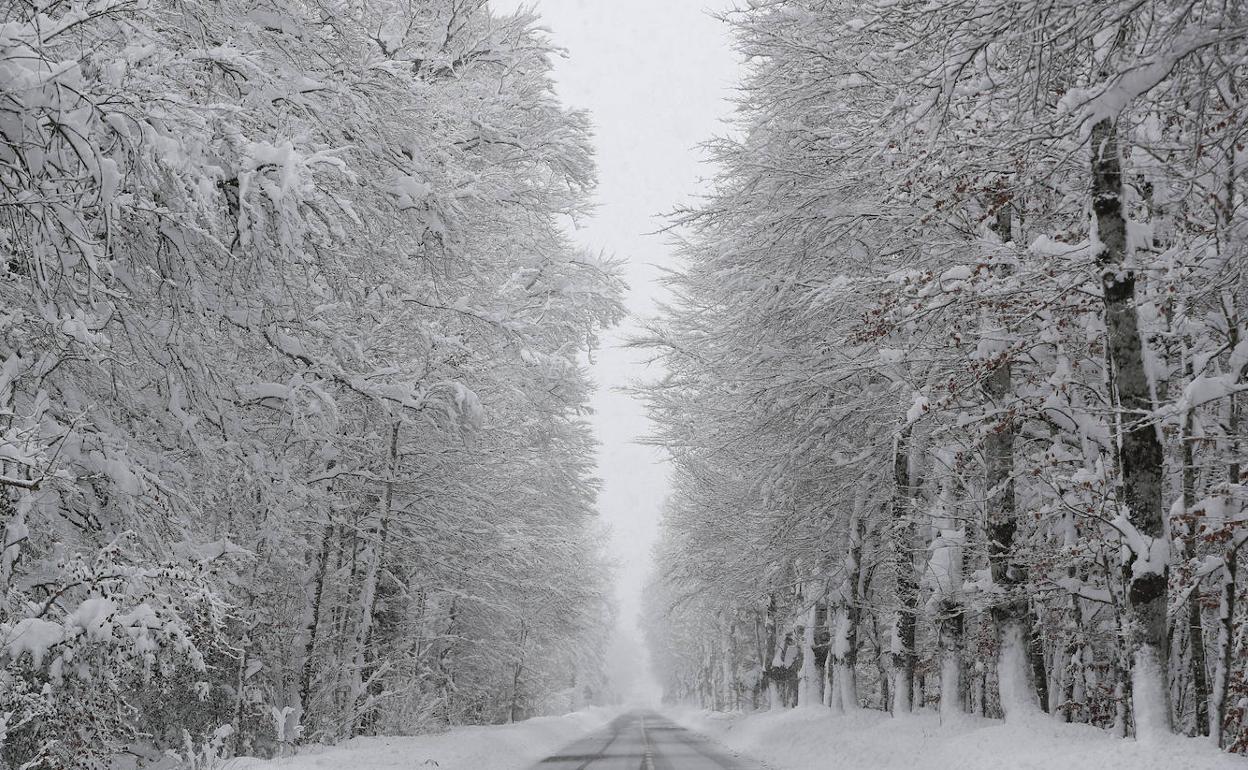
(279, 431)
(959, 335)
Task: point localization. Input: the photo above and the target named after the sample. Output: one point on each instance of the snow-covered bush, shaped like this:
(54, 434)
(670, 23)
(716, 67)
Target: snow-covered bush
(90, 636)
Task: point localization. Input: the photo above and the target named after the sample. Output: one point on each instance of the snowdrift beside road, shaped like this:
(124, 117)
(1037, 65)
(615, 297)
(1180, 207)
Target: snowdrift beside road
(501, 747)
(818, 739)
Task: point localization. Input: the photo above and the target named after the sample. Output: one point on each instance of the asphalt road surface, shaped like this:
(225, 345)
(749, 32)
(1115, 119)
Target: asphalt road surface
(644, 740)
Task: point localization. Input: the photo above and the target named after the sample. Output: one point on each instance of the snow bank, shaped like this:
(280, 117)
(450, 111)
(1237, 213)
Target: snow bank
(814, 739)
(502, 747)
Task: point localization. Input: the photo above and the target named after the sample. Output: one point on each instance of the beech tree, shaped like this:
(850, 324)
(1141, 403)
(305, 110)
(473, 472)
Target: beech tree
(960, 317)
(292, 381)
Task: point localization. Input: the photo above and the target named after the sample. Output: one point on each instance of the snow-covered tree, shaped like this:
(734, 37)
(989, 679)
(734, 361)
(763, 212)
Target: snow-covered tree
(959, 323)
(292, 379)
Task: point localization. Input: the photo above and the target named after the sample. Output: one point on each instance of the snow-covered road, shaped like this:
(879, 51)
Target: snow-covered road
(644, 740)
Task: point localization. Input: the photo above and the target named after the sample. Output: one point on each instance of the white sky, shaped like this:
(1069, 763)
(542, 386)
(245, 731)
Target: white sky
(656, 77)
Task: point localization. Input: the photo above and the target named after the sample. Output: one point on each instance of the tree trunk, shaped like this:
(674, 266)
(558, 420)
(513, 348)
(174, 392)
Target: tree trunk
(903, 535)
(1224, 661)
(1010, 615)
(251, 621)
(731, 693)
(1140, 453)
(945, 571)
(831, 697)
(880, 664)
(1039, 671)
(810, 677)
(1195, 627)
(1199, 664)
(770, 650)
(1225, 653)
(950, 627)
(843, 652)
(313, 624)
(1074, 682)
(514, 712)
(374, 544)
(12, 535)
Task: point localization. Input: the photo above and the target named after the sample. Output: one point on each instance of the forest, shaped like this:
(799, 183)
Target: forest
(297, 327)
(956, 360)
(293, 437)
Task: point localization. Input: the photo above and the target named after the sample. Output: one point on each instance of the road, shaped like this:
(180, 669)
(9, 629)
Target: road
(644, 740)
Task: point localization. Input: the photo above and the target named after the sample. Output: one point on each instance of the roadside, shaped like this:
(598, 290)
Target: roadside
(817, 738)
(500, 747)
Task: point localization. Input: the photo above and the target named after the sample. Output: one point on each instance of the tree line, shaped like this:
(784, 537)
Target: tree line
(955, 368)
(293, 439)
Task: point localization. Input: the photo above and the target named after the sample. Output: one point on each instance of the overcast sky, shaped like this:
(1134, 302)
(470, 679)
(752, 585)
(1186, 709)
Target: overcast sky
(656, 76)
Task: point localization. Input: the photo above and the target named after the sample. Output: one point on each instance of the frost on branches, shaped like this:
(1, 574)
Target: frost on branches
(957, 369)
(292, 438)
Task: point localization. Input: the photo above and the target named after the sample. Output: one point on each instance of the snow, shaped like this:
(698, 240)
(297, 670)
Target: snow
(919, 407)
(944, 566)
(33, 636)
(1152, 554)
(1203, 390)
(1152, 720)
(1017, 696)
(1044, 246)
(92, 616)
(955, 275)
(410, 191)
(1108, 100)
(950, 676)
(502, 747)
(815, 739)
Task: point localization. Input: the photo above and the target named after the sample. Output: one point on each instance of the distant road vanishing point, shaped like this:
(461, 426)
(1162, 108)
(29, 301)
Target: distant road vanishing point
(645, 740)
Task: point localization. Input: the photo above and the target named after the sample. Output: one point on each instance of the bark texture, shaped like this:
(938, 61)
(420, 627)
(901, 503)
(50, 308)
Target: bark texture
(1011, 615)
(903, 655)
(843, 652)
(1140, 452)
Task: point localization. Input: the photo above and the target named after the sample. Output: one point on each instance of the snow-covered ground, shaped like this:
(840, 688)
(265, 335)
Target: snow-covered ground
(502, 747)
(818, 739)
